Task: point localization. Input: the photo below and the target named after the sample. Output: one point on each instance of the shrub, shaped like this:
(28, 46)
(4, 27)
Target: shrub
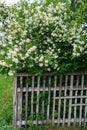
(39, 38)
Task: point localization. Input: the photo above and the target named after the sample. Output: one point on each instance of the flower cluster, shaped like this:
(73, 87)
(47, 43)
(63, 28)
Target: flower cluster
(39, 38)
(80, 44)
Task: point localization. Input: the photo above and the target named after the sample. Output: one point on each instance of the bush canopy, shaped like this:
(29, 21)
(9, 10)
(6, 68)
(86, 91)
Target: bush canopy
(39, 38)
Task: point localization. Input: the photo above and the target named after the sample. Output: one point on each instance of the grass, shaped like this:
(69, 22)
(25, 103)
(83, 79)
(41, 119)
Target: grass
(6, 108)
(65, 128)
(6, 97)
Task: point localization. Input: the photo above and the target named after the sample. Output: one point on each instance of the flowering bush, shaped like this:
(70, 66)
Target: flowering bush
(39, 38)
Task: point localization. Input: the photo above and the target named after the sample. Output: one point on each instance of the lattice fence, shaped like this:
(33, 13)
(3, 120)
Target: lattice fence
(56, 99)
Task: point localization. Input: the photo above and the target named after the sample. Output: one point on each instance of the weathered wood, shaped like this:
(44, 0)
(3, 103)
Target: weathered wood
(37, 105)
(70, 101)
(65, 94)
(75, 108)
(48, 107)
(20, 101)
(43, 100)
(85, 114)
(47, 74)
(32, 95)
(65, 91)
(55, 84)
(81, 100)
(59, 103)
(52, 88)
(26, 103)
(55, 121)
(70, 97)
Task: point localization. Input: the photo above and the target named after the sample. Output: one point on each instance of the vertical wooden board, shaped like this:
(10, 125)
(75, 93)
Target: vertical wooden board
(20, 107)
(44, 81)
(49, 94)
(26, 104)
(70, 101)
(53, 114)
(75, 107)
(85, 114)
(65, 94)
(81, 100)
(59, 102)
(32, 95)
(15, 103)
(37, 106)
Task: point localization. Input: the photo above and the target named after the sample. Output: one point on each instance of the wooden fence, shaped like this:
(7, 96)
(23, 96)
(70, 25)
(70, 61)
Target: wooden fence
(56, 99)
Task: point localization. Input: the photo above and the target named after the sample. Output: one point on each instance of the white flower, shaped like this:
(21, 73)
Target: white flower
(4, 45)
(3, 63)
(55, 57)
(15, 60)
(16, 49)
(41, 59)
(48, 69)
(28, 40)
(46, 65)
(40, 64)
(59, 50)
(77, 54)
(46, 61)
(10, 73)
(57, 68)
(33, 48)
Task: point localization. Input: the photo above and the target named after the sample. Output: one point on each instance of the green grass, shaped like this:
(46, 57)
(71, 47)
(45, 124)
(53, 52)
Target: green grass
(6, 97)
(6, 108)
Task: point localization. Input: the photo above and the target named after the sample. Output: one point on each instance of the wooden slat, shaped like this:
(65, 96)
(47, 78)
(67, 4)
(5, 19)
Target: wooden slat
(50, 74)
(26, 103)
(43, 103)
(20, 103)
(70, 101)
(85, 114)
(68, 97)
(65, 94)
(48, 107)
(37, 106)
(15, 103)
(76, 105)
(75, 108)
(59, 102)
(81, 101)
(32, 95)
(18, 106)
(55, 84)
(52, 88)
(56, 121)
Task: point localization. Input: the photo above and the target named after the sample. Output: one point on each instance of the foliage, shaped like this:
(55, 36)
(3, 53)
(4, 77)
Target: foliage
(6, 103)
(39, 38)
(5, 126)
